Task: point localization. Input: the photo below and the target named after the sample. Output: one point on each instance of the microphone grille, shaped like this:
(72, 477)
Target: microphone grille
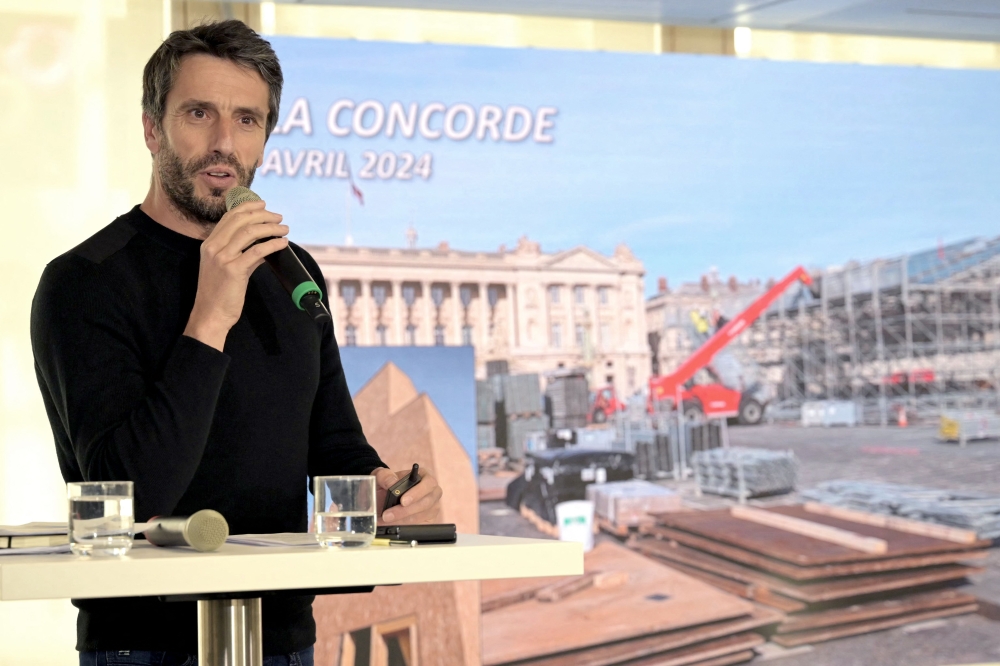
(238, 195)
(207, 529)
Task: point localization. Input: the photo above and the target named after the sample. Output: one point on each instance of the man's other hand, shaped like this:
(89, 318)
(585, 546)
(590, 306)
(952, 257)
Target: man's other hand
(419, 504)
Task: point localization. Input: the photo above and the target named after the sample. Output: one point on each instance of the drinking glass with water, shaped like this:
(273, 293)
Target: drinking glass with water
(101, 520)
(345, 510)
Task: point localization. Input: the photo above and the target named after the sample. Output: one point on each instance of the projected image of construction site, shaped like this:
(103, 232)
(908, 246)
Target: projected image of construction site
(821, 448)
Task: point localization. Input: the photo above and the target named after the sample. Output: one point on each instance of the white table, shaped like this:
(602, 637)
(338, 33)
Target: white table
(228, 584)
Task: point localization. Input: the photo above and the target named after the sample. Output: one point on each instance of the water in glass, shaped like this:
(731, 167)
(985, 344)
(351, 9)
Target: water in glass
(101, 525)
(345, 528)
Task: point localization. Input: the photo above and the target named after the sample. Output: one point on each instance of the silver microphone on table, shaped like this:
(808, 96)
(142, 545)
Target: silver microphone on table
(204, 531)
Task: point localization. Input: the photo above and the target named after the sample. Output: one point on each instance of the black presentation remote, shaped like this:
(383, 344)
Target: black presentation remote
(397, 489)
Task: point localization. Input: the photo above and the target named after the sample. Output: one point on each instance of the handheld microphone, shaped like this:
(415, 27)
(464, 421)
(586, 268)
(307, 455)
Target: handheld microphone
(204, 531)
(292, 275)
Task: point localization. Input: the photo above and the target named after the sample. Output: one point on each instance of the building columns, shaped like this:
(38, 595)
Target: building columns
(397, 312)
(456, 312)
(484, 318)
(570, 335)
(428, 313)
(511, 318)
(368, 329)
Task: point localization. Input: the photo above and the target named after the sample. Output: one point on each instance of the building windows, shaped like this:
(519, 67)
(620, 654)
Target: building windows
(380, 331)
(554, 294)
(578, 294)
(351, 336)
(631, 377)
(602, 295)
(411, 335)
(439, 335)
(556, 338)
(581, 334)
(467, 335)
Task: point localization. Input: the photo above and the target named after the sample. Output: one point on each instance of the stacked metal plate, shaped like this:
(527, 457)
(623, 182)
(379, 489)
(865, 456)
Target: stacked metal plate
(742, 473)
(967, 510)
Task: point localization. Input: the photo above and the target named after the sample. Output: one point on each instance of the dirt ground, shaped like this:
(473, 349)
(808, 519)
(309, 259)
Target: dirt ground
(898, 455)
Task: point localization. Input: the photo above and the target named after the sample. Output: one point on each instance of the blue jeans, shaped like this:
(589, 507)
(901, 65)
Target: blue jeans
(147, 658)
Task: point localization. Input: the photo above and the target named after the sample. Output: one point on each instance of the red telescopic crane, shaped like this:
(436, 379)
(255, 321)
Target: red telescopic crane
(716, 400)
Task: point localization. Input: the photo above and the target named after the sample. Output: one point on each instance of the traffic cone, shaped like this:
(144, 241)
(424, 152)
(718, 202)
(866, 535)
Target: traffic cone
(902, 417)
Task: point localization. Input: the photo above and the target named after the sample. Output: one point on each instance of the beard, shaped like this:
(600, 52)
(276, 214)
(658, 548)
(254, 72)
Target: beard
(177, 180)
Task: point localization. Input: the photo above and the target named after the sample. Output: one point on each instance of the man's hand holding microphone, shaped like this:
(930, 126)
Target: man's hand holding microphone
(227, 262)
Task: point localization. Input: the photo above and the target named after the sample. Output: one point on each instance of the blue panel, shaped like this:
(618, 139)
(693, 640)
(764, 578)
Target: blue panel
(445, 374)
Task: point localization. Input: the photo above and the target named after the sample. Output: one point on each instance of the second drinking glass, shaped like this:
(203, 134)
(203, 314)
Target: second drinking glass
(345, 510)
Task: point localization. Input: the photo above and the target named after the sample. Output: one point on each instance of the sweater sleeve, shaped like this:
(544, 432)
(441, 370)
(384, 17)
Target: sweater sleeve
(122, 419)
(337, 442)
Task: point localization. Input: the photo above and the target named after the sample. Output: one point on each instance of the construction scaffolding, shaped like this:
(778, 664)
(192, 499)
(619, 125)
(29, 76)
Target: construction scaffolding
(919, 332)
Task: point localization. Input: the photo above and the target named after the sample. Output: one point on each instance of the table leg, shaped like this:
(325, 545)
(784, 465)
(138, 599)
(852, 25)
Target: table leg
(229, 632)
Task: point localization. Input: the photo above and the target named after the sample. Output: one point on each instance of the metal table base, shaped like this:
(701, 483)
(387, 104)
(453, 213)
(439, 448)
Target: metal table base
(229, 623)
(229, 632)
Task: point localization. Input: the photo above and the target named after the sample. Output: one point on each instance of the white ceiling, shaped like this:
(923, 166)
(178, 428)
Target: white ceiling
(948, 19)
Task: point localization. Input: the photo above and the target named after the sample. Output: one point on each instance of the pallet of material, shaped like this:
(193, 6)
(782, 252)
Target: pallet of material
(620, 505)
(493, 487)
(964, 510)
(742, 472)
(491, 460)
(821, 569)
(647, 613)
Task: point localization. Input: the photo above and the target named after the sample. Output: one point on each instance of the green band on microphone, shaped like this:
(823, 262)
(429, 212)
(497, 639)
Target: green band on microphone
(304, 289)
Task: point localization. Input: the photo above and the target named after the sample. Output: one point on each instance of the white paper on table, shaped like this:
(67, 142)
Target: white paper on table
(34, 529)
(36, 550)
(284, 539)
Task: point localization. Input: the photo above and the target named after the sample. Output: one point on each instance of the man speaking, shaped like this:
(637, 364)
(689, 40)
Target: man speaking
(168, 356)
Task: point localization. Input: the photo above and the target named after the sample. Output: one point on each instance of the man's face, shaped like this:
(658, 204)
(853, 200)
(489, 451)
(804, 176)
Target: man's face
(212, 135)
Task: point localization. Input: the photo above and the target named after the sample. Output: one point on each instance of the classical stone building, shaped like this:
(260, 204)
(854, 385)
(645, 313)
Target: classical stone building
(535, 310)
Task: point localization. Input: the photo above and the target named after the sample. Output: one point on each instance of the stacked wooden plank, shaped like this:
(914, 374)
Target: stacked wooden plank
(624, 609)
(835, 575)
(963, 509)
(740, 472)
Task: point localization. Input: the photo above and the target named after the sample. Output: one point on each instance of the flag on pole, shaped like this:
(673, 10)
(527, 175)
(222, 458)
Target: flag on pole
(354, 188)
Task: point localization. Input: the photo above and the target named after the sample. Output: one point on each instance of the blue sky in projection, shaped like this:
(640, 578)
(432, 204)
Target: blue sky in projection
(694, 161)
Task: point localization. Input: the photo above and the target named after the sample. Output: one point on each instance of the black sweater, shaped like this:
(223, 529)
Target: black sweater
(129, 397)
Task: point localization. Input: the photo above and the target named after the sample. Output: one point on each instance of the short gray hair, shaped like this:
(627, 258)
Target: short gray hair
(232, 40)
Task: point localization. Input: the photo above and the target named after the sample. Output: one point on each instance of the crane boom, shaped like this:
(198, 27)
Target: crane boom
(667, 385)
